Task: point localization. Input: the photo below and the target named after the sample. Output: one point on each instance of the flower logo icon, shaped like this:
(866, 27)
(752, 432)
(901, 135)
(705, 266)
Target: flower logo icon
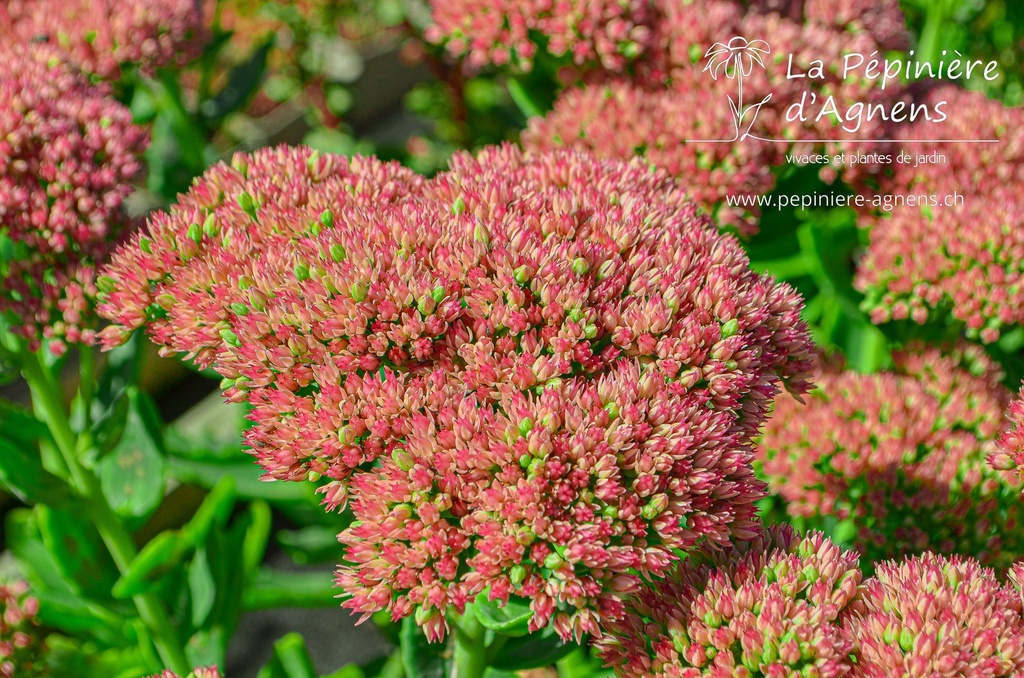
(736, 60)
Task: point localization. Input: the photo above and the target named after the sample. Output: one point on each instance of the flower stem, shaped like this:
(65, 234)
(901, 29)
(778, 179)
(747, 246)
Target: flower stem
(47, 403)
(470, 646)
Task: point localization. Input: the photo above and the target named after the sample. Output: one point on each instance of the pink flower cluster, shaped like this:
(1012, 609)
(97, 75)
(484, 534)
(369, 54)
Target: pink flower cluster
(787, 605)
(882, 19)
(1010, 455)
(68, 153)
(604, 33)
(622, 119)
(902, 454)
(767, 607)
(929, 262)
(209, 672)
(21, 642)
(936, 616)
(100, 36)
(538, 373)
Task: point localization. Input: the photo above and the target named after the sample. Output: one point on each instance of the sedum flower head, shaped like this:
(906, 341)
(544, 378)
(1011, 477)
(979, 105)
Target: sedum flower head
(623, 119)
(1010, 455)
(922, 264)
(68, 153)
(101, 36)
(767, 607)
(481, 337)
(901, 454)
(603, 33)
(561, 498)
(21, 641)
(936, 616)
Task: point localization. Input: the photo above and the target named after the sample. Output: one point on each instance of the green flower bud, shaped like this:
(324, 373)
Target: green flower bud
(240, 309)
(553, 561)
(525, 426)
(438, 294)
(402, 459)
(301, 272)
(459, 207)
(425, 305)
(105, 284)
(165, 301)
(358, 291)
(248, 204)
(517, 574)
(230, 337)
(327, 218)
(580, 266)
(210, 226)
(145, 245)
(195, 233)
(481, 235)
(521, 276)
(730, 328)
(338, 252)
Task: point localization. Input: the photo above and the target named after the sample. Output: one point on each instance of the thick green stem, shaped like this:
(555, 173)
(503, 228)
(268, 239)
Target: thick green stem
(470, 646)
(86, 388)
(47, 402)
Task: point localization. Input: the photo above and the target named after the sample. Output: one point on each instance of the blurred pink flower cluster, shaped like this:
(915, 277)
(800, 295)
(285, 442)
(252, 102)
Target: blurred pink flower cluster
(557, 363)
(882, 19)
(931, 262)
(100, 36)
(605, 33)
(21, 641)
(621, 119)
(685, 32)
(901, 453)
(1010, 455)
(783, 604)
(676, 104)
(68, 153)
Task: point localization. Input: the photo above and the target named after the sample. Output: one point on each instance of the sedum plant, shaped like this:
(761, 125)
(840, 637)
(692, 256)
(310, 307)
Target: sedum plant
(534, 379)
(898, 458)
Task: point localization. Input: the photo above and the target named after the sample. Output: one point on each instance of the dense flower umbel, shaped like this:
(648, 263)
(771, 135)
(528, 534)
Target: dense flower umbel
(622, 119)
(357, 307)
(768, 607)
(903, 455)
(922, 262)
(1010, 455)
(67, 155)
(100, 36)
(20, 639)
(936, 616)
(604, 33)
(210, 672)
(560, 498)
